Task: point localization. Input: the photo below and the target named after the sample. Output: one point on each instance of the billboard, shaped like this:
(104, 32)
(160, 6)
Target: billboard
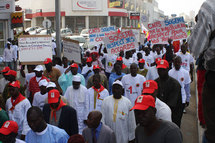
(87, 5)
(7, 6)
(116, 3)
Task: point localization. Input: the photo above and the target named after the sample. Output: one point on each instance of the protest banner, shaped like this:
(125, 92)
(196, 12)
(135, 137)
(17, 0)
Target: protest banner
(136, 32)
(161, 31)
(34, 49)
(96, 35)
(123, 41)
(72, 50)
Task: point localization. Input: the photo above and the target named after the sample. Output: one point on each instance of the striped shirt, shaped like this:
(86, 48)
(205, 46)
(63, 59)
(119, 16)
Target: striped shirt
(199, 40)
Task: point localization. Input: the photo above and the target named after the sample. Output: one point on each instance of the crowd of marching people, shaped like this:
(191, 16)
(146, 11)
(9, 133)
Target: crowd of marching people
(137, 96)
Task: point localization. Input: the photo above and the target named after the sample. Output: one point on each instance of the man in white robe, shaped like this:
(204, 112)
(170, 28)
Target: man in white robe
(77, 98)
(117, 115)
(96, 94)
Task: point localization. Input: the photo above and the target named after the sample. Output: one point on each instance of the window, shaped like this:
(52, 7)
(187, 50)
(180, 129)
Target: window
(97, 21)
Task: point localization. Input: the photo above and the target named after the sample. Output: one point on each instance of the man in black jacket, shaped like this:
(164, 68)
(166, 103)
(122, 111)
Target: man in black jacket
(57, 113)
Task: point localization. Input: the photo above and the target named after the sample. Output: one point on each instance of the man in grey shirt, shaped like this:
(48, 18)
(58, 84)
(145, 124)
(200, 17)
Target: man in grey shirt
(150, 129)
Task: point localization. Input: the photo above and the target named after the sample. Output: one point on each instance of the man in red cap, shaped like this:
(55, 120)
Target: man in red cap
(57, 113)
(151, 129)
(169, 91)
(52, 73)
(142, 70)
(65, 80)
(3, 81)
(8, 132)
(11, 77)
(150, 87)
(17, 106)
(125, 69)
(87, 70)
(97, 71)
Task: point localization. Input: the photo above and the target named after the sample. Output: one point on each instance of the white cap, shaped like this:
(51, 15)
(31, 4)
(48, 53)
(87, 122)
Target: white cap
(76, 78)
(39, 68)
(51, 84)
(43, 83)
(118, 82)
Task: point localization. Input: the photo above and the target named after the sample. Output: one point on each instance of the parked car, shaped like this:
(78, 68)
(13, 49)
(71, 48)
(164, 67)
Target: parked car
(85, 33)
(47, 32)
(64, 32)
(33, 30)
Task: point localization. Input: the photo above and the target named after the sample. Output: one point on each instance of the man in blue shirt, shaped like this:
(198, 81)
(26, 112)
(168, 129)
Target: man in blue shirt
(42, 132)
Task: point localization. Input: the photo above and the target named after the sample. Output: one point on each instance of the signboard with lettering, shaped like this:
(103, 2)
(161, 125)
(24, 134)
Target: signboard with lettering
(123, 41)
(135, 16)
(116, 3)
(96, 35)
(34, 48)
(161, 31)
(87, 5)
(72, 50)
(7, 6)
(136, 32)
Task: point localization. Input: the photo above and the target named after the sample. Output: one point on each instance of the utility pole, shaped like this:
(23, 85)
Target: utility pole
(57, 21)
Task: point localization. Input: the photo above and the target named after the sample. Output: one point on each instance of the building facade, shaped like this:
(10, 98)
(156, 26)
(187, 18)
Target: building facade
(6, 8)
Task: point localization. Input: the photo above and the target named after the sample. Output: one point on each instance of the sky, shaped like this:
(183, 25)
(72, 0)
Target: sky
(179, 6)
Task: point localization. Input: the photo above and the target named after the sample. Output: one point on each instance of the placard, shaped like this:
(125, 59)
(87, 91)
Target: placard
(35, 48)
(161, 31)
(123, 41)
(96, 35)
(136, 32)
(72, 50)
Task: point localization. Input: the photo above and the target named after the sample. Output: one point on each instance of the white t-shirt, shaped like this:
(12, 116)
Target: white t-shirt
(53, 48)
(152, 73)
(15, 50)
(186, 60)
(128, 62)
(183, 77)
(109, 62)
(157, 56)
(60, 68)
(19, 141)
(163, 110)
(86, 69)
(149, 59)
(39, 100)
(133, 86)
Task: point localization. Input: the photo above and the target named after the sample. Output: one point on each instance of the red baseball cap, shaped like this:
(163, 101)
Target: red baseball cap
(9, 127)
(96, 67)
(149, 86)
(6, 69)
(119, 59)
(163, 64)
(89, 60)
(47, 61)
(143, 102)
(15, 84)
(53, 96)
(142, 61)
(11, 72)
(74, 65)
(157, 59)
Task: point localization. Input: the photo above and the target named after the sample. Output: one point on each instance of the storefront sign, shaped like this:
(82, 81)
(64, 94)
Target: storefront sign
(16, 20)
(35, 48)
(123, 41)
(96, 35)
(135, 16)
(7, 6)
(116, 3)
(72, 50)
(161, 31)
(87, 5)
